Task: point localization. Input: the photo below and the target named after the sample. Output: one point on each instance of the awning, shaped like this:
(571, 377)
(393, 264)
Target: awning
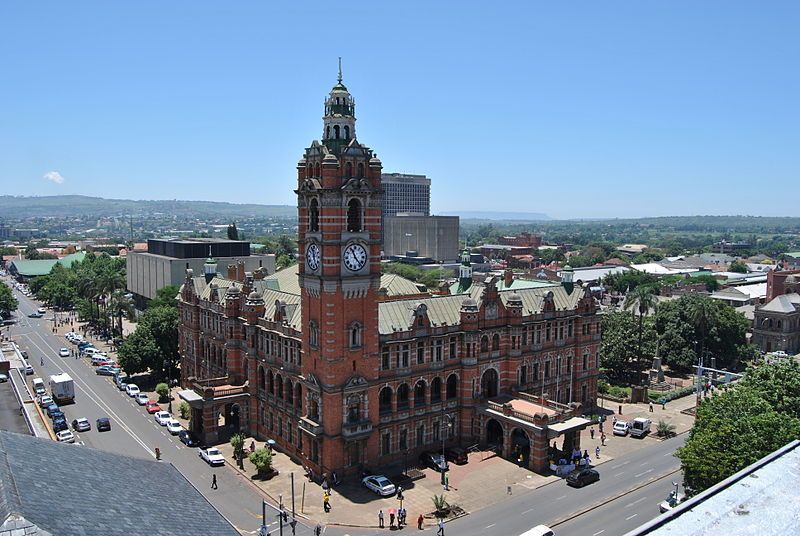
(190, 396)
(573, 423)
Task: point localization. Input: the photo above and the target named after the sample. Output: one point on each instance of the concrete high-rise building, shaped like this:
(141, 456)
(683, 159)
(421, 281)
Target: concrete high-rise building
(406, 193)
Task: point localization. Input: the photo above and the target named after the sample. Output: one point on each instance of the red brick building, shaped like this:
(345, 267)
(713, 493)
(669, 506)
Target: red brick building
(341, 377)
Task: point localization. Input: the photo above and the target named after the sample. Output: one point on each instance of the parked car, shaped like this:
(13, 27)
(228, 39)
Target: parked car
(580, 478)
(45, 401)
(142, 399)
(103, 424)
(65, 436)
(433, 460)
(212, 456)
(60, 424)
(380, 485)
(621, 428)
(3, 378)
(81, 424)
(152, 407)
(132, 389)
(121, 381)
(673, 499)
(41, 310)
(36, 314)
(52, 408)
(28, 370)
(457, 455)
(162, 417)
(174, 427)
(539, 530)
(57, 414)
(104, 370)
(188, 438)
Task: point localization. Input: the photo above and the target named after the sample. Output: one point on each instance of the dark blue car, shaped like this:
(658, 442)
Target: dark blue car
(51, 409)
(60, 424)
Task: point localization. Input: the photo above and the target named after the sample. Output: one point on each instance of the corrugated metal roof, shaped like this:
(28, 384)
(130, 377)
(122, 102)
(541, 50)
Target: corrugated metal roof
(286, 281)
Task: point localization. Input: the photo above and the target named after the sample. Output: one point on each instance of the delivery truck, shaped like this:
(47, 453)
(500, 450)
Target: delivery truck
(62, 388)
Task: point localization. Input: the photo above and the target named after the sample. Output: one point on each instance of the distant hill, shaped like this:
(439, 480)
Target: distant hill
(502, 216)
(65, 206)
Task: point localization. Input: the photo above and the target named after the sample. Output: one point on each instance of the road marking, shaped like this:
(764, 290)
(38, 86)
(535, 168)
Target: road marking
(636, 501)
(641, 474)
(526, 511)
(619, 474)
(643, 464)
(490, 526)
(668, 454)
(631, 517)
(83, 386)
(562, 497)
(620, 465)
(599, 532)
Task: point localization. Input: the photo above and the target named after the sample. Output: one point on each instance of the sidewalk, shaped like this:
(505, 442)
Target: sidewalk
(482, 482)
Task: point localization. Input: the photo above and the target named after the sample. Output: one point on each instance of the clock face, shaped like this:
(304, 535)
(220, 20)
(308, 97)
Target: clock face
(313, 257)
(355, 257)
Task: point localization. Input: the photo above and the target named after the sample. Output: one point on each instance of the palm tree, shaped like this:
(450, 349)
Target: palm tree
(703, 314)
(645, 298)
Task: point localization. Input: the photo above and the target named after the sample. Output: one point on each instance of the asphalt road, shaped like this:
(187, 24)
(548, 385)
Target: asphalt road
(133, 431)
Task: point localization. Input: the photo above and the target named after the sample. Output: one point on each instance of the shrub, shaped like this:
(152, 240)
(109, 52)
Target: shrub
(671, 395)
(440, 504)
(237, 442)
(262, 459)
(665, 429)
(162, 389)
(184, 409)
(603, 387)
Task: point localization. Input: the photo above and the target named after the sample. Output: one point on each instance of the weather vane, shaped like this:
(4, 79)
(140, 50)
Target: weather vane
(340, 70)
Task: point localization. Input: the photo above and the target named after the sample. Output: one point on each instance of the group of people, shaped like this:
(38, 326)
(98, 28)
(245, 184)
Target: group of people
(401, 518)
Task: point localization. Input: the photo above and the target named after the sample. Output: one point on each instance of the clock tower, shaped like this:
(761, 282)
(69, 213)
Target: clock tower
(339, 220)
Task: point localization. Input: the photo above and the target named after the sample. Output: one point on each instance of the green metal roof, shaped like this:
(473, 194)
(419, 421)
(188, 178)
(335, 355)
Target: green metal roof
(35, 268)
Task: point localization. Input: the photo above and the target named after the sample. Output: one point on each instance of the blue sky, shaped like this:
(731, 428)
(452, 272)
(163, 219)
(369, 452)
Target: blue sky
(574, 109)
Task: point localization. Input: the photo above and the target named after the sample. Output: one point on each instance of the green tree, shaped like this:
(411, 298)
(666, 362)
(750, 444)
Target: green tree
(165, 297)
(738, 266)
(137, 350)
(619, 345)
(162, 323)
(643, 298)
(732, 430)
(184, 409)
(8, 302)
(162, 389)
(628, 280)
(237, 442)
(778, 384)
(262, 459)
(233, 232)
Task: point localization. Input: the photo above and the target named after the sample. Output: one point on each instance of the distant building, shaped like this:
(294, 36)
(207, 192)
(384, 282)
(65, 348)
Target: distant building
(723, 246)
(632, 249)
(165, 263)
(406, 193)
(526, 240)
(48, 488)
(776, 325)
(23, 270)
(434, 237)
(777, 282)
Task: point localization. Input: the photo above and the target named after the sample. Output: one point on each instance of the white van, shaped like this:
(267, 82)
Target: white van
(640, 427)
(90, 351)
(38, 386)
(539, 530)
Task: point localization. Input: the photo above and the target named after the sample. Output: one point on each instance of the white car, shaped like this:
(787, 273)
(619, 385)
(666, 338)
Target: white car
(162, 417)
(132, 389)
(41, 310)
(621, 428)
(672, 500)
(212, 456)
(45, 401)
(81, 424)
(64, 352)
(380, 485)
(65, 436)
(174, 427)
(141, 399)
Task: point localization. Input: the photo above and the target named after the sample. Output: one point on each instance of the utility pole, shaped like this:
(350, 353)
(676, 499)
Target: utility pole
(294, 519)
(280, 514)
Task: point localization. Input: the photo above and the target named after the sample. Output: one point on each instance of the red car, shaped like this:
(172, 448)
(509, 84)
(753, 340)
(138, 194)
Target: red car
(152, 407)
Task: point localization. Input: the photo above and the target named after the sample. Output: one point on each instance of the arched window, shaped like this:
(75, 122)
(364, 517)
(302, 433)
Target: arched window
(452, 386)
(353, 409)
(348, 170)
(436, 389)
(354, 216)
(279, 385)
(355, 335)
(313, 333)
(270, 383)
(484, 344)
(336, 131)
(402, 396)
(361, 170)
(328, 132)
(419, 394)
(317, 170)
(298, 397)
(313, 216)
(385, 400)
(346, 132)
(495, 342)
(309, 170)
(262, 383)
(289, 392)
(313, 410)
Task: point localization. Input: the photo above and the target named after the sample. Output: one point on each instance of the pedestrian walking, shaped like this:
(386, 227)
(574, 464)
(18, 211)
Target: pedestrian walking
(420, 521)
(651, 406)
(441, 528)
(401, 517)
(446, 482)
(380, 519)
(41, 361)
(317, 530)
(597, 451)
(663, 403)
(326, 503)
(603, 440)
(214, 481)
(591, 432)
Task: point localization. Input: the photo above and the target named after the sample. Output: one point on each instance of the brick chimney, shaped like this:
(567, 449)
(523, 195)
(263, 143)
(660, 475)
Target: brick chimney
(508, 277)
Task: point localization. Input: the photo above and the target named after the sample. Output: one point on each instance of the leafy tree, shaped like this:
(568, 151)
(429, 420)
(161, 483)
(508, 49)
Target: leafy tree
(33, 254)
(162, 324)
(184, 409)
(237, 442)
(550, 255)
(262, 459)
(619, 345)
(738, 266)
(7, 250)
(233, 232)
(778, 384)
(643, 298)
(629, 280)
(165, 297)
(8, 302)
(732, 430)
(162, 389)
(137, 350)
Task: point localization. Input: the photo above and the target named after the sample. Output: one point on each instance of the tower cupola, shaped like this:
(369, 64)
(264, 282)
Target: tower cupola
(465, 270)
(340, 116)
(567, 278)
(210, 267)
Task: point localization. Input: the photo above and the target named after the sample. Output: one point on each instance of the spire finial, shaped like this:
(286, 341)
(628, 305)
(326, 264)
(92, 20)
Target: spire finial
(340, 70)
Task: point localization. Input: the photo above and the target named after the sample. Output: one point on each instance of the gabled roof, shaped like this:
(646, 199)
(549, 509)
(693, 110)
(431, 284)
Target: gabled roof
(38, 267)
(286, 281)
(55, 488)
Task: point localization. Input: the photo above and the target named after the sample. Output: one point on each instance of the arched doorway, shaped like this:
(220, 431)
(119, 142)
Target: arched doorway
(520, 446)
(494, 434)
(234, 418)
(489, 383)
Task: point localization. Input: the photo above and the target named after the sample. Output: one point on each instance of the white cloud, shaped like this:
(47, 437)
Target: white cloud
(53, 176)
